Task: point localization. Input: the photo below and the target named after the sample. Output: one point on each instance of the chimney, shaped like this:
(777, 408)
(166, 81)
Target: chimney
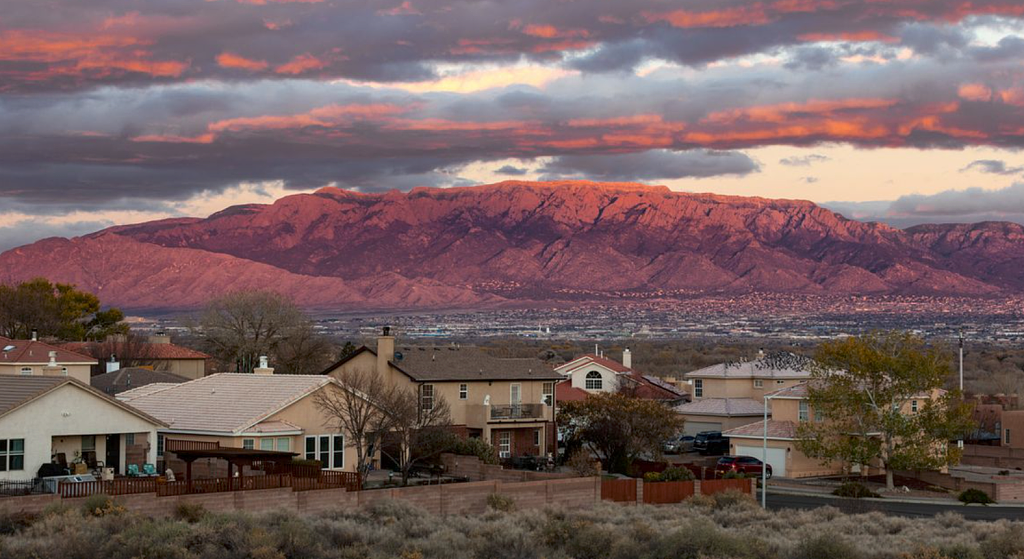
(760, 353)
(35, 335)
(112, 364)
(385, 350)
(160, 338)
(263, 369)
(627, 359)
(52, 369)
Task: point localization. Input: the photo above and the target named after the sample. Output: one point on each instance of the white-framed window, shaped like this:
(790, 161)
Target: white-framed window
(159, 445)
(698, 388)
(129, 439)
(12, 455)
(536, 437)
(463, 391)
(64, 371)
(505, 444)
(249, 444)
(267, 444)
(913, 406)
(515, 394)
(88, 443)
(427, 397)
(804, 413)
(548, 393)
(594, 381)
(1006, 437)
(329, 449)
(26, 370)
(758, 383)
(284, 444)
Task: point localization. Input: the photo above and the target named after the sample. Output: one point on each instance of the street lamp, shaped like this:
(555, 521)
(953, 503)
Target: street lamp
(764, 457)
(960, 442)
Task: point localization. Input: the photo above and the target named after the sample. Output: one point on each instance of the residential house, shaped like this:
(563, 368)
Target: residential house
(36, 358)
(61, 420)
(730, 395)
(261, 411)
(132, 377)
(156, 352)
(509, 402)
(593, 373)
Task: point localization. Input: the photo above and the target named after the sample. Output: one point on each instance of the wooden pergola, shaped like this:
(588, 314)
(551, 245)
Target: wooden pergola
(240, 457)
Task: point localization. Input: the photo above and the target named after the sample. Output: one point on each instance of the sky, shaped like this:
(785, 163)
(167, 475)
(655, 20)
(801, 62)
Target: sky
(120, 111)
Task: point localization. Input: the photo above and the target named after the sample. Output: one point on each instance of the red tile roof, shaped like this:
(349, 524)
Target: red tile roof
(36, 352)
(151, 351)
(566, 392)
(583, 360)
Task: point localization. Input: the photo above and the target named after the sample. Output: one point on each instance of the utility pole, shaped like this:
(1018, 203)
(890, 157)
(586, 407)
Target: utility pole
(764, 458)
(960, 442)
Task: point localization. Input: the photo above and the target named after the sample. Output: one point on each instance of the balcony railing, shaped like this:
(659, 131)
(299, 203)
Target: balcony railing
(517, 411)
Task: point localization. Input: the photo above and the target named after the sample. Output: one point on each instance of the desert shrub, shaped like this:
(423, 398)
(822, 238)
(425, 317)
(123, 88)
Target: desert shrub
(699, 540)
(676, 473)
(590, 541)
(501, 503)
(503, 541)
(190, 512)
(478, 447)
(734, 475)
(11, 523)
(969, 496)
(855, 490)
(701, 500)
(582, 464)
(101, 505)
(653, 477)
(961, 551)
(733, 498)
(1006, 543)
(56, 508)
(826, 546)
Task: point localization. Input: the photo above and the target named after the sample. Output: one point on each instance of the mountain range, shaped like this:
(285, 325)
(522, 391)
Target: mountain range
(521, 243)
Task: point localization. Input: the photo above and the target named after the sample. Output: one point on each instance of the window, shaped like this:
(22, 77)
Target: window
(463, 391)
(1006, 437)
(913, 406)
(804, 413)
(12, 455)
(328, 449)
(249, 444)
(64, 371)
(515, 394)
(266, 444)
(129, 439)
(505, 444)
(284, 444)
(780, 382)
(758, 383)
(594, 381)
(536, 437)
(427, 397)
(698, 388)
(548, 393)
(159, 445)
(88, 443)
(26, 370)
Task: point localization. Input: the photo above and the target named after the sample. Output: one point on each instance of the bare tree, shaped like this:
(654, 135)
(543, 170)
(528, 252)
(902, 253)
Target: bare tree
(130, 350)
(303, 351)
(360, 408)
(421, 428)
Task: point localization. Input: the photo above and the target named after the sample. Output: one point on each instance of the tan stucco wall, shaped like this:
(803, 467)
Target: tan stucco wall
(727, 422)
(798, 465)
(78, 372)
(188, 368)
(1014, 421)
(742, 387)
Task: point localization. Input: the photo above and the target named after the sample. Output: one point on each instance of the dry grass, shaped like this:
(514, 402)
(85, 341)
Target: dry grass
(726, 527)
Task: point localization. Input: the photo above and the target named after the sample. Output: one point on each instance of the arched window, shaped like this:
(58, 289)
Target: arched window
(594, 380)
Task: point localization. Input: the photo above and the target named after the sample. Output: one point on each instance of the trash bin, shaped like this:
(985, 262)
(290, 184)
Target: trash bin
(107, 474)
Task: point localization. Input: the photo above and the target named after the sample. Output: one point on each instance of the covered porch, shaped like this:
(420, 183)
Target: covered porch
(88, 452)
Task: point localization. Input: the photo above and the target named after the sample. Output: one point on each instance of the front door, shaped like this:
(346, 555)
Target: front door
(113, 457)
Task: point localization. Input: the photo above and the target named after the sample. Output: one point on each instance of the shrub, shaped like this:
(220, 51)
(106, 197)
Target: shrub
(582, 464)
(15, 521)
(1007, 543)
(855, 490)
(478, 447)
(734, 475)
(733, 498)
(969, 496)
(101, 505)
(190, 512)
(501, 503)
(653, 476)
(826, 546)
(676, 473)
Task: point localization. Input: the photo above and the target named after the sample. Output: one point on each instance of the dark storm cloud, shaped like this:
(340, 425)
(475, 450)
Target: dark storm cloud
(649, 165)
(511, 171)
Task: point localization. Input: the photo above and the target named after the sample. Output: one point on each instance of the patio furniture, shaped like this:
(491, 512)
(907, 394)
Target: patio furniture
(149, 470)
(133, 470)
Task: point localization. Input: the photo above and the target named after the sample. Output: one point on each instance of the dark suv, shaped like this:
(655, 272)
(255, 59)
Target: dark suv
(711, 442)
(747, 465)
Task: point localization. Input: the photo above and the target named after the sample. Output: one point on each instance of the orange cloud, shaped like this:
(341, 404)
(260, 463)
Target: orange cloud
(753, 14)
(322, 116)
(405, 8)
(231, 60)
(859, 36)
(552, 32)
(1014, 96)
(301, 63)
(785, 111)
(99, 55)
(975, 92)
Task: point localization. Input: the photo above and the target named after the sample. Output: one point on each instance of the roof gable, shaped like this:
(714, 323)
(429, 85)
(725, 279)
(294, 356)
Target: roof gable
(18, 391)
(36, 352)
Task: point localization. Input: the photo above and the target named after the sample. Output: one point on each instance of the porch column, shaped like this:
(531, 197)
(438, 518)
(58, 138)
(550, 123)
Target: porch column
(188, 475)
(122, 455)
(151, 450)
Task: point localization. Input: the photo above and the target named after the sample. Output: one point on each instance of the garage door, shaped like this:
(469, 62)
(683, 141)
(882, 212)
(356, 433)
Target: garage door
(694, 427)
(776, 457)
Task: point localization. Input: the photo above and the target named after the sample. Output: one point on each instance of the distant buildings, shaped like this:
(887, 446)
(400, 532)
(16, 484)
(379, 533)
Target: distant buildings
(155, 352)
(35, 358)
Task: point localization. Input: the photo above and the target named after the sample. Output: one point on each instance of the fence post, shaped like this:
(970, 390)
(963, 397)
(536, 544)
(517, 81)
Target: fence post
(639, 490)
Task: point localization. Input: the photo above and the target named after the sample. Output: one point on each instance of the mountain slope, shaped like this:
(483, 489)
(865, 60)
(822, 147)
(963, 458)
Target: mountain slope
(526, 241)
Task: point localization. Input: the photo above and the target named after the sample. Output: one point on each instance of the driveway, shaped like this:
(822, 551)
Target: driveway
(778, 501)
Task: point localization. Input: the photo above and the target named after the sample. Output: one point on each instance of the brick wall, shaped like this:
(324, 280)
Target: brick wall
(993, 456)
(471, 468)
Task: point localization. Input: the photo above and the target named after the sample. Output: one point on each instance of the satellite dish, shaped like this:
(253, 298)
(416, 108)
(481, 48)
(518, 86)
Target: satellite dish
(398, 356)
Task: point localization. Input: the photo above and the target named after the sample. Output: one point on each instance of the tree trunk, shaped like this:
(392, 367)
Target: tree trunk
(889, 483)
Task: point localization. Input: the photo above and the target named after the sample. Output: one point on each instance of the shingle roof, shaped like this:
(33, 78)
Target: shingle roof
(132, 377)
(771, 366)
(467, 363)
(38, 353)
(146, 350)
(776, 430)
(18, 390)
(727, 407)
(225, 402)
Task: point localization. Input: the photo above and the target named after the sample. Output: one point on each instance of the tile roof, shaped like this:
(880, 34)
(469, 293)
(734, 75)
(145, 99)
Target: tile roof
(776, 430)
(146, 390)
(727, 407)
(18, 390)
(132, 377)
(586, 359)
(145, 350)
(38, 353)
(225, 402)
(467, 363)
(772, 366)
(566, 392)
(274, 426)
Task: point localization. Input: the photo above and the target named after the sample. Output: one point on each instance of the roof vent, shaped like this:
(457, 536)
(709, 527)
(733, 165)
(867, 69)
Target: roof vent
(398, 356)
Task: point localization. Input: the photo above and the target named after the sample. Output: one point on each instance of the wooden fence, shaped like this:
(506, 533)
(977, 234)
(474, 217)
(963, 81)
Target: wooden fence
(712, 486)
(665, 492)
(122, 486)
(129, 486)
(619, 490)
(223, 485)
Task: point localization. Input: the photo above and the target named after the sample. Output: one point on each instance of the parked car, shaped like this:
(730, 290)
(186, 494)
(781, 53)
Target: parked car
(747, 465)
(711, 442)
(680, 444)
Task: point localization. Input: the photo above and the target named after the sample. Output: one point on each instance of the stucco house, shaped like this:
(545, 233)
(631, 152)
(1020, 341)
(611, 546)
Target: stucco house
(260, 411)
(730, 395)
(54, 419)
(128, 378)
(36, 358)
(155, 352)
(509, 402)
(593, 373)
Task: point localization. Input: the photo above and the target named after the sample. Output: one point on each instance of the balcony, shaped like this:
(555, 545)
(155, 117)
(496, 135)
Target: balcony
(519, 411)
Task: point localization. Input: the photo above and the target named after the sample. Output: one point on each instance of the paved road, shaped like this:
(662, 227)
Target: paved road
(778, 501)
